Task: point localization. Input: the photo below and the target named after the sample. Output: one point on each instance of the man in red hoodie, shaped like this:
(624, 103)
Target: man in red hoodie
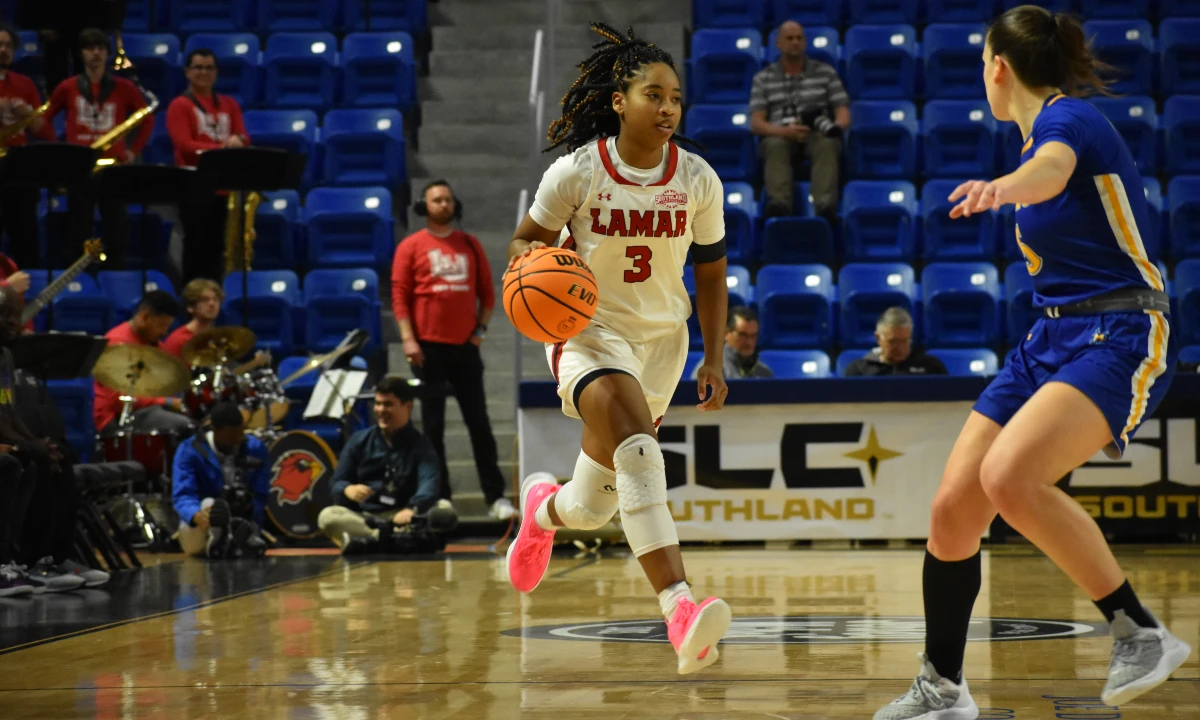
(96, 102)
(200, 120)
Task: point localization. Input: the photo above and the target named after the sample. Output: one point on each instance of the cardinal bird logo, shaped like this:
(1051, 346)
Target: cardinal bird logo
(294, 475)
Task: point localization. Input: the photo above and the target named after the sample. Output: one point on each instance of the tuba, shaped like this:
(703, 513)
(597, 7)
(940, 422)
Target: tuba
(9, 132)
(239, 237)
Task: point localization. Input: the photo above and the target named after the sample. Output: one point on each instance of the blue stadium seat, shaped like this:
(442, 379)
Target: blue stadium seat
(846, 357)
(294, 130)
(724, 131)
(865, 290)
(339, 301)
(276, 224)
(797, 240)
(160, 150)
(1137, 120)
(807, 12)
(273, 301)
(1008, 136)
(883, 139)
(1179, 42)
(823, 44)
(1154, 234)
(883, 11)
(960, 139)
(1127, 45)
(964, 238)
(879, 220)
(694, 358)
(727, 13)
(379, 70)
(299, 70)
(1018, 300)
(741, 216)
(1178, 8)
(237, 61)
(881, 61)
(1095, 9)
(1183, 199)
(201, 16)
(1181, 130)
(1187, 292)
(27, 56)
(1190, 354)
(796, 364)
(82, 307)
(795, 305)
(364, 146)
(959, 11)
(723, 64)
(297, 15)
(74, 400)
(737, 282)
(137, 16)
(124, 288)
(410, 16)
(962, 304)
(349, 227)
(952, 60)
(963, 361)
(158, 62)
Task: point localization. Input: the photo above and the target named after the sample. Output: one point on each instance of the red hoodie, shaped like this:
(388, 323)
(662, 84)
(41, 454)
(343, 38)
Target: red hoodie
(17, 86)
(95, 108)
(197, 123)
(439, 283)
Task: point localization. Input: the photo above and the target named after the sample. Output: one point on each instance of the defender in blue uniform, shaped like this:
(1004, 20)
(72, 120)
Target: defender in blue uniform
(1087, 375)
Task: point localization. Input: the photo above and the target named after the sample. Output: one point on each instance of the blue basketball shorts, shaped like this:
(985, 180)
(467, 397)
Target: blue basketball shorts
(1123, 362)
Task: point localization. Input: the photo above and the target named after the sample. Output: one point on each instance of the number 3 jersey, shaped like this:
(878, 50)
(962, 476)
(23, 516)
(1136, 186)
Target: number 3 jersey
(633, 228)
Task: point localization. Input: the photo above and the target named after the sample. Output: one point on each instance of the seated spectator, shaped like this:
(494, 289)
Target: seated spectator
(741, 346)
(202, 297)
(385, 477)
(220, 487)
(895, 355)
(800, 109)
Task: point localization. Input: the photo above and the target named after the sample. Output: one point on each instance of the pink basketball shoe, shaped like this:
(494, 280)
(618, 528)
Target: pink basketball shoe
(529, 553)
(694, 630)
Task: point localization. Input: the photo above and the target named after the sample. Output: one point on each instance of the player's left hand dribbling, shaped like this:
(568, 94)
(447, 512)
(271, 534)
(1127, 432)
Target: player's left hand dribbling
(710, 377)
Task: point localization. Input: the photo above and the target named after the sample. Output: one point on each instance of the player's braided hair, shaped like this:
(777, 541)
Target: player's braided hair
(587, 107)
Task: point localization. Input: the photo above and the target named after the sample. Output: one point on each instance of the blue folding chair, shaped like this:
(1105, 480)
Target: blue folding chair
(299, 70)
(349, 227)
(297, 15)
(952, 53)
(158, 62)
(237, 57)
(795, 305)
(862, 12)
(1114, 8)
(968, 361)
(410, 16)
(741, 216)
(807, 12)
(723, 64)
(339, 301)
(1020, 314)
(82, 307)
(1137, 120)
(124, 288)
(1179, 44)
(74, 400)
(364, 146)
(187, 17)
(960, 139)
(1183, 199)
(959, 11)
(883, 139)
(272, 303)
(379, 70)
(962, 304)
(823, 44)
(797, 240)
(1181, 131)
(865, 290)
(964, 238)
(294, 130)
(1127, 45)
(796, 364)
(1187, 293)
(724, 131)
(276, 228)
(879, 220)
(727, 13)
(881, 61)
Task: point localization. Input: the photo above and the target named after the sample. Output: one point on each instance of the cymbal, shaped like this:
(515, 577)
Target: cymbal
(218, 345)
(141, 371)
(314, 362)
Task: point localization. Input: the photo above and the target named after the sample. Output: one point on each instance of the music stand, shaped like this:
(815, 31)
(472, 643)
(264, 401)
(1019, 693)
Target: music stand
(146, 185)
(57, 356)
(243, 170)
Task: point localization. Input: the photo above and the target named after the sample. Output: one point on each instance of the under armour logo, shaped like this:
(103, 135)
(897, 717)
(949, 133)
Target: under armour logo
(604, 196)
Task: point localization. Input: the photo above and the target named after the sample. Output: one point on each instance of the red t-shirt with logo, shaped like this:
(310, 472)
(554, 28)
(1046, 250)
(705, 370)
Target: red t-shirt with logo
(439, 283)
(202, 123)
(95, 108)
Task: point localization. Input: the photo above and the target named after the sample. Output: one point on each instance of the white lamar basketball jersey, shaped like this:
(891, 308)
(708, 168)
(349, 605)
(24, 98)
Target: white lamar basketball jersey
(633, 228)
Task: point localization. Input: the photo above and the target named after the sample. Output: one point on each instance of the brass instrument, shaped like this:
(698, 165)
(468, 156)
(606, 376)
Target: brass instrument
(239, 238)
(105, 142)
(9, 132)
(121, 61)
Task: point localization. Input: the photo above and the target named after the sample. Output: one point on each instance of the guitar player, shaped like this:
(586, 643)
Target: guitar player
(13, 277)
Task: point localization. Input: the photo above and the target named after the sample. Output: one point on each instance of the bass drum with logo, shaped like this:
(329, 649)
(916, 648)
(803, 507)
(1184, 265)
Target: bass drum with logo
(301, 474)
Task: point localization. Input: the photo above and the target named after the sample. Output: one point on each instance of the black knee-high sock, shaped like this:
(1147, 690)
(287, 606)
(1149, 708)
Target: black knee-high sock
(950, 590)
(1124, 598)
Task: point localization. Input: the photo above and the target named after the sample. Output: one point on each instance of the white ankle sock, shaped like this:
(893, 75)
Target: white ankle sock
(542, 515)
(669, 599)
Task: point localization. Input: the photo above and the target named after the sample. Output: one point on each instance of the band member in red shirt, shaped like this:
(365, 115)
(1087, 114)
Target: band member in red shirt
(200, 120)
(18, 205)
(443, 296)
(96, 102)
(203, 299)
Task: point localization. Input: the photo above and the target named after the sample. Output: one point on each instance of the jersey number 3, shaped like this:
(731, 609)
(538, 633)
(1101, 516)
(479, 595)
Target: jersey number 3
(640, 254)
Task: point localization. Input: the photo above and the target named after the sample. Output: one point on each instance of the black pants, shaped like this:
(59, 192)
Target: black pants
(15, 492)
(462, 367)
(19, 223)
(203, 223)
(81, 205)
(49, 522)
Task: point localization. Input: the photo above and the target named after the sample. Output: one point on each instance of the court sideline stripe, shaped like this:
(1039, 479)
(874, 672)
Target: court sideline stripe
(590, 561)
(176, 611)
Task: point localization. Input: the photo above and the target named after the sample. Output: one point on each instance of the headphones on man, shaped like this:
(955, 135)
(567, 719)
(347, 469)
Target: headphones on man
(419, 208)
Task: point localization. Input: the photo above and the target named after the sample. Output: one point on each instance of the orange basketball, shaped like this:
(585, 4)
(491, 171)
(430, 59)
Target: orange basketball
(550, 295)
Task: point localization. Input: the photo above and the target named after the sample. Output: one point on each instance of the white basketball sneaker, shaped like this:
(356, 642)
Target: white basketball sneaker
(931, 697)
(1142, 659)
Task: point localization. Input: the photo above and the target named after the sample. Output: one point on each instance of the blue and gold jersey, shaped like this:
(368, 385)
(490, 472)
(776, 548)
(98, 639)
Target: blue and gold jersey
(1087, 240)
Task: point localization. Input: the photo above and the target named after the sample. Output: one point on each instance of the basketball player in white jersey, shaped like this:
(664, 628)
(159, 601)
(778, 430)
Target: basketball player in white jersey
(634, 204)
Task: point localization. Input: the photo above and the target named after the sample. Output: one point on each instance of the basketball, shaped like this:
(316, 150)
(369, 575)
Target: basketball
(550, 295)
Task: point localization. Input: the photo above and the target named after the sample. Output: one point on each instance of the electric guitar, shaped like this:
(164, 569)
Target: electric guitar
(93, 250)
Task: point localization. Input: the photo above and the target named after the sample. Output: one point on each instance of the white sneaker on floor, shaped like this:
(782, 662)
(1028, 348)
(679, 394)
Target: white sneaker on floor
(1142, 659)
(91, 576)
(502, 509)
(445, 504)
(931, 697)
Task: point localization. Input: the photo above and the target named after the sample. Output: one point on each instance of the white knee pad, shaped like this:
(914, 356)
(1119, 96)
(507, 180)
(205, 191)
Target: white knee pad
(589, 500)
(642, 494)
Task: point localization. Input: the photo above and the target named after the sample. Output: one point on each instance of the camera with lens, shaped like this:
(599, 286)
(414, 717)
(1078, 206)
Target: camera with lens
(819, 121)
(237, 492)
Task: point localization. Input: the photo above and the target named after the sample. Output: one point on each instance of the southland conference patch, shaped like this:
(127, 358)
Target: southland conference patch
(819, 630)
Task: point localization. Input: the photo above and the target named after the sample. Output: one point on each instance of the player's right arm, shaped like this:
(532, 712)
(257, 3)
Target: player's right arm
(560, 193)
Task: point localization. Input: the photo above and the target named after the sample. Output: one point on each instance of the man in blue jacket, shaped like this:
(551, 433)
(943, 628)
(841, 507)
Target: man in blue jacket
(220, 488)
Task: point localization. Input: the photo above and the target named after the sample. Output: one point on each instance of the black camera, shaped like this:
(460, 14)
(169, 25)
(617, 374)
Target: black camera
(237, 492)
(819, 121)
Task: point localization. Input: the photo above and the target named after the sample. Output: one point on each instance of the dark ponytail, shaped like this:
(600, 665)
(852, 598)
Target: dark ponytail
(1048, 49)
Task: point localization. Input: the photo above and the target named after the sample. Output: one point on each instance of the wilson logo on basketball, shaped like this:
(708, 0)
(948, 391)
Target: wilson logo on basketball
(572, 260)
(294, 475)
(670, 199)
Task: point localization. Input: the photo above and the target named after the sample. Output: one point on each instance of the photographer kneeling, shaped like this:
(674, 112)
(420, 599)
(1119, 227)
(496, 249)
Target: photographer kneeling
(220, 488)
(387, 478)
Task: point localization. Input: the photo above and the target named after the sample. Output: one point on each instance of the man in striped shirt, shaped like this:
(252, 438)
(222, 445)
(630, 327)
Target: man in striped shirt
(800, 108)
